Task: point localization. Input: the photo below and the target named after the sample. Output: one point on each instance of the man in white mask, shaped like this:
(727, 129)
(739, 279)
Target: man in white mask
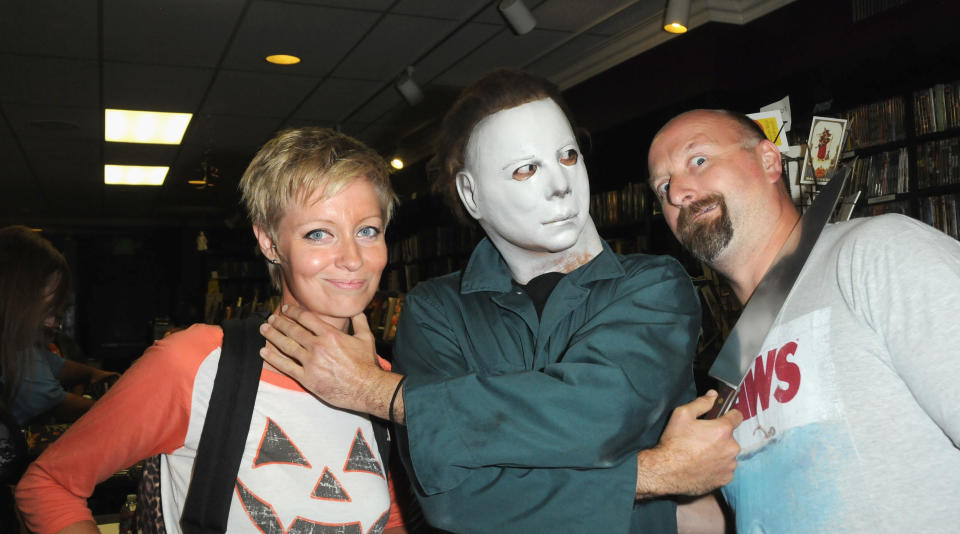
(536, 384)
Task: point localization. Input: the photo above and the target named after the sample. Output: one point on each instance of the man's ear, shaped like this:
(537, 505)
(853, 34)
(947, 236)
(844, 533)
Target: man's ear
(770, 158)
(466, 189)
(266, 243)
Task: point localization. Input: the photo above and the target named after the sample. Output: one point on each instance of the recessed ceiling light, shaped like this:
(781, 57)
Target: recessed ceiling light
(396, 163)
(134, 175)
(283, 59)
(128, 126)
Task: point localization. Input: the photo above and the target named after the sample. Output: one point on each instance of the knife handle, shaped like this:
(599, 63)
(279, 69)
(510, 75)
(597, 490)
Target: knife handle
(727, 396)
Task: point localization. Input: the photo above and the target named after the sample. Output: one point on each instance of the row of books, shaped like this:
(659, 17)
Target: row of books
(383, 314)
(941, 213)
(405, 276)
(885, 173)
(902, 207)
(936, 108)
(628, 205)
(629, 245)
(876, 123)
(435, 242)
(938, 163)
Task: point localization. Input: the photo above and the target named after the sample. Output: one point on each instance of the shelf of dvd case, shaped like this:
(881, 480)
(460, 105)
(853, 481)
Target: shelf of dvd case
(938, 163)
(432, 251)
(882, 175)
(876, 123)
(936, 108)
(626, 206)
(941, 212)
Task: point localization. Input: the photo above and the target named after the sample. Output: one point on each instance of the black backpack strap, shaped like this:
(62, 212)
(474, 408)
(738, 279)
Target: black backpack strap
(381, 434)
(225, 428)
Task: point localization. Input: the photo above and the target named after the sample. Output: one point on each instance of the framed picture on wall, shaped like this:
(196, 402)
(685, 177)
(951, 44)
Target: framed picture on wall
(823, 149)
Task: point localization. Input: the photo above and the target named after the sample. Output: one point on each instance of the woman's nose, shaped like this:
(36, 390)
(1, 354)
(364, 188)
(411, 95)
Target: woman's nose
(350, 257)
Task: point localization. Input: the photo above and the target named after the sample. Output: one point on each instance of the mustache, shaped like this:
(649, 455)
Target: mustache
(690, 211)
(705, 239)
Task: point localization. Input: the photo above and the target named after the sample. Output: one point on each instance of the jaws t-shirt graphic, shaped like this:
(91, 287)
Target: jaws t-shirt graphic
(792, 433)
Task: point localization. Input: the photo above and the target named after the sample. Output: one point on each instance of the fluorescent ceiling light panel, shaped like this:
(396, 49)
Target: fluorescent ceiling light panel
(127, 126)
(134, 175)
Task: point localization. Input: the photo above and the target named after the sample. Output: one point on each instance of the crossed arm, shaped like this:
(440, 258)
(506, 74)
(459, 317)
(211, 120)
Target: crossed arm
(693, 456)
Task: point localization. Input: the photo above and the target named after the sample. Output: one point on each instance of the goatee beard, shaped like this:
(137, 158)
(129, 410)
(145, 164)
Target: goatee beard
(706, 237)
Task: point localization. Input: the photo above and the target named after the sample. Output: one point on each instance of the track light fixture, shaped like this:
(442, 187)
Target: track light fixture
(677, 16)
(408, 88)
(517, 14)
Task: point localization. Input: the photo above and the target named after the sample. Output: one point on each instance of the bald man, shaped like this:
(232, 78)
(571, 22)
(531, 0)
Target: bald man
(852, 411)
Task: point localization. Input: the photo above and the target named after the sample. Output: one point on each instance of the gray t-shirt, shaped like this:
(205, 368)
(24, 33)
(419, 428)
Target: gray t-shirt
(852, 408)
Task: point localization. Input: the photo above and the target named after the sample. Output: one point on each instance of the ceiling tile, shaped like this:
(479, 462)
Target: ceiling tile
(139, 154)
(54, 123)
(395, 42)
(368, 5)
(256, 94)
(76, 163)
(318, 35)
(335, 98)
(636, 15)
(568, 53)
(458, 10)
(492, 15)
(172, 32)
(445, 56)
(504, 50)
(574, 15)
(49, 27)
(229, 133)
(386, 100)
(45, 80)
(154, 88)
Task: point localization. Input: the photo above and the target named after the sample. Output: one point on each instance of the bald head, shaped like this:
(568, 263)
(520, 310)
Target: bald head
(723, 123)
(749, 131)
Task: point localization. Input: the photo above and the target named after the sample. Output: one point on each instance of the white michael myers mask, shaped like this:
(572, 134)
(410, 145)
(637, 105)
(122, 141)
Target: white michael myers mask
(525, 181)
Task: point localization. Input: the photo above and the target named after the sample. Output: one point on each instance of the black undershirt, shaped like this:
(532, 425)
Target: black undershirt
(539, 289)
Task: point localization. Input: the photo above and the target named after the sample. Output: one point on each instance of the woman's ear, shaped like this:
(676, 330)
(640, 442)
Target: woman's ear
(267, 246)
(466, 189)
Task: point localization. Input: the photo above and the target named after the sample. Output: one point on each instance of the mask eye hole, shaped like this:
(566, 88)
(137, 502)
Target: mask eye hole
(526, 171)
(569, 157)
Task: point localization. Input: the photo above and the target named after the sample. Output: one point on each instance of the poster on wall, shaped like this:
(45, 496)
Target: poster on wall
(773, 126)
(823, 149)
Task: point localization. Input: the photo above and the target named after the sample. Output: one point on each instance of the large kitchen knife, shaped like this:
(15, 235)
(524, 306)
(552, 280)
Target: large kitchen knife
(746, 339)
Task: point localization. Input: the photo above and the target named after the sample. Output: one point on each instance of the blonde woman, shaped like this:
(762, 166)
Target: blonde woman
(319, 202)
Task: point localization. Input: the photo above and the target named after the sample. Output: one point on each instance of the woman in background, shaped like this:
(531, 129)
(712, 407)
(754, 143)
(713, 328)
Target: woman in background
(34, 291)
(319, 202)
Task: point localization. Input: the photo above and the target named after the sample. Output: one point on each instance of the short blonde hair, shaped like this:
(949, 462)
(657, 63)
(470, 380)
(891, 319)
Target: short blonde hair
(298, 163)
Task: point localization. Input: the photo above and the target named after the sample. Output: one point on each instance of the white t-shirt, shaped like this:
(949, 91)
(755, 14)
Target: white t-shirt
(852, 408)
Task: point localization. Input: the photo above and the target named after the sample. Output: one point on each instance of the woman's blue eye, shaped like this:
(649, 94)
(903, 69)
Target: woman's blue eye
(316, 235)
(697, 161)
(369, 231)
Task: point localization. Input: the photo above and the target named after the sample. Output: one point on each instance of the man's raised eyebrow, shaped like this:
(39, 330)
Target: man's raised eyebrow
(693, 144)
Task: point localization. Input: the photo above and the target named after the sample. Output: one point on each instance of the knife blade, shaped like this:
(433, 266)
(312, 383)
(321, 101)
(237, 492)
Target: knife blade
(746, 339)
